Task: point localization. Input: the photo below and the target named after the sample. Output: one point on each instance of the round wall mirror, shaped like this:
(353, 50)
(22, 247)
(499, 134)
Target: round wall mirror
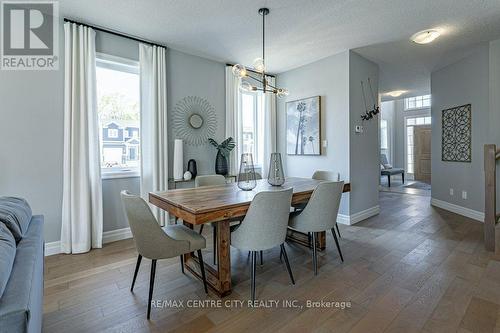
(196, 121)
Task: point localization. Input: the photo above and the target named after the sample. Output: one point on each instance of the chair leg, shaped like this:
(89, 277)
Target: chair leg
(182, 264)
(338, 231)
(403, 177)
(338, 245)
(289, 269)
(215, 242)
(261, 258)
(281, 255)
(151, 285)
(389, 180)
(315, 254)
(254, 262)
(309, 239)
(139, 259)
(201, 229)
(202, 268)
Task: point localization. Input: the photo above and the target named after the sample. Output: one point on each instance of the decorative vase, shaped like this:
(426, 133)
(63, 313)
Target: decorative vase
(276, 176)
(221, 164)
(178, 160)
(187, 175)
(246, 177)
(192, 168)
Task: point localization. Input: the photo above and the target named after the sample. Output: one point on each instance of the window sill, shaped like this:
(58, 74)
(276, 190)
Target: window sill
(120, 174)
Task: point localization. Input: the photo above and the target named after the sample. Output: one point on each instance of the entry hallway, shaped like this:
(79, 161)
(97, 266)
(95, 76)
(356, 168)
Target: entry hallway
(411, 268)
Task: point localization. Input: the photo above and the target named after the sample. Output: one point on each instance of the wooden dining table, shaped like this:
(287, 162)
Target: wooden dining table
(223, 205)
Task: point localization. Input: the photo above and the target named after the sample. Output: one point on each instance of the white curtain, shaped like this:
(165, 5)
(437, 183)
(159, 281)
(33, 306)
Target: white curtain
(81, 227)
(233, 119)
(269, 127)
(154, 138)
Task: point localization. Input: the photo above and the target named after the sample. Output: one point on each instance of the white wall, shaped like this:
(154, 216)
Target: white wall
(387, 113)
(464, 82)
(327, 78)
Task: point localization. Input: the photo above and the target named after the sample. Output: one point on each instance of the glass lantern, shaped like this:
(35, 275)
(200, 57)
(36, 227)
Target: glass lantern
(276, 176)
(246, 177)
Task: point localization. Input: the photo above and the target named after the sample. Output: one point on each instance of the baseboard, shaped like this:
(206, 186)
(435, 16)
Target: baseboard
(467, 212)
(359, 216)
(107, 237)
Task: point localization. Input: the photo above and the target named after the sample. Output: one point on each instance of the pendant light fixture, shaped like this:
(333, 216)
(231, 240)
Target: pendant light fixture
(255, 79)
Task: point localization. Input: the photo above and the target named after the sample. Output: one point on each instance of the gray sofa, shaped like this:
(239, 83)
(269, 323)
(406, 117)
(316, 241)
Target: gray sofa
(21, 267)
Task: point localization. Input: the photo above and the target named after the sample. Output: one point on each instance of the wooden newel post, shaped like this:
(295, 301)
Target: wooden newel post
(489, 196)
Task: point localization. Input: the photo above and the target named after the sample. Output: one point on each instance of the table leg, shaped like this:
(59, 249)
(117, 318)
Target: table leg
(219, 278)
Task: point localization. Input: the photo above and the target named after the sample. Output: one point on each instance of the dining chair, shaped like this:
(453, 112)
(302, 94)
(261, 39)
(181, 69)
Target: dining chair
(155, 242)
(264, 227)
(319, 215)
(330, 176)
(210, 180)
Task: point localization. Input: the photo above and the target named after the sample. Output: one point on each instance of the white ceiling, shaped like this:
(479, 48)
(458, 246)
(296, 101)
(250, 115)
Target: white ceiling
(300, 32)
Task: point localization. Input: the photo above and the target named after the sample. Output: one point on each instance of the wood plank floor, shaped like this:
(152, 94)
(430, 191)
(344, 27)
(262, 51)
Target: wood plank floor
(413, 268)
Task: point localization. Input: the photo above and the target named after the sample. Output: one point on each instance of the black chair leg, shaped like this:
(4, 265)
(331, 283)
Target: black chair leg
(289, 269)
(338, 231)
(315, 254)
(309, 239)
(201, 229)
(151, 285)
(202, 268)
(215, 243)
(281, 255)
(139, 259)
(389, 180)
(338, 245)
(261, 258)
(254, 262)
(403, 177)
(182, 264)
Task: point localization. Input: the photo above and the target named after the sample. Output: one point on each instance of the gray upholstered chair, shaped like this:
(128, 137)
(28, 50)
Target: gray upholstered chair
(319, 214)
(155, 242)
(388, 170)
(329, 176)
(264, 227)
(210, 180)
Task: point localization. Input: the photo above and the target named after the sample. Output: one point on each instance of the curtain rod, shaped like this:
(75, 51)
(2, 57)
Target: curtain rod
(231, 65)
(116, 33)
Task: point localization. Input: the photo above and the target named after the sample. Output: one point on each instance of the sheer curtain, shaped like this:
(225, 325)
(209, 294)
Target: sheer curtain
(233, 118)
(154, 134)
(269, 136)
(82, 212)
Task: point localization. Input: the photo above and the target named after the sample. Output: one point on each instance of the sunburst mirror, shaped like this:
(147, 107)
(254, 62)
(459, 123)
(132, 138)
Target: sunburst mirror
(194, 120)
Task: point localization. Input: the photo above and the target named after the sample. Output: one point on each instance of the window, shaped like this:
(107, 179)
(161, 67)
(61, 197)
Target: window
(251, 125)
(383, 134)
(112, 133)
(118, 103)
(418, 102)
(410, 125)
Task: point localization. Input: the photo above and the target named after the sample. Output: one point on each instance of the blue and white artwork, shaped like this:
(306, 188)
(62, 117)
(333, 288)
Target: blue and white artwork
(303, 126)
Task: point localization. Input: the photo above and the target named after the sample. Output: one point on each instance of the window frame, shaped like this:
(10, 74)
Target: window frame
(422, 99)
(258, 101)
(130, 66)
(423, 116)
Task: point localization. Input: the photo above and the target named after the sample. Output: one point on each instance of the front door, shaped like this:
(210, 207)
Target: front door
(422, 153)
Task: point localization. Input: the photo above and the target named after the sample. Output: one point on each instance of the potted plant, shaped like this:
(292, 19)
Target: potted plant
(223, 151)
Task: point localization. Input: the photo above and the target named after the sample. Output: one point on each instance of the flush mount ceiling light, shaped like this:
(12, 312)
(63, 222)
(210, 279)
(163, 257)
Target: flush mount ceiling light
(396, 93)
(426, 36)
(255, 79)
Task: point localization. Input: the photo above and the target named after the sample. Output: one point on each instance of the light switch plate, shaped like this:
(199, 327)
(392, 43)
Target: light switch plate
(464, 195)
(451, 191)
(359, 129)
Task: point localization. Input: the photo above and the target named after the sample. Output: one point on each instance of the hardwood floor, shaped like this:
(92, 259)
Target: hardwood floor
(412, 268)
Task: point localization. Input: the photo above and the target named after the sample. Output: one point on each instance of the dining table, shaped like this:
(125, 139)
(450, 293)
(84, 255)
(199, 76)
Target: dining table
(223, 205)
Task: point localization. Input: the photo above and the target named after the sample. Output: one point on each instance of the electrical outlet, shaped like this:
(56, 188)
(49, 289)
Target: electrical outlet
(464, 195)
(451, 191)
(325, 143)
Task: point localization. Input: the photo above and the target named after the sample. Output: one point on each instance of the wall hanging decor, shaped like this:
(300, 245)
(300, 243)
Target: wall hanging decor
(303, 126)
(178, 160)
(375, 109)
(457, 134)
(246, 178)
(194, 120)
(223, 150)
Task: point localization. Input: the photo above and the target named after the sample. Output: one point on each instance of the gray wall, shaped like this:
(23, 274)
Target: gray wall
(464, 82)
(327, 78)
(31, 130)
(363, 147)
(189, 75)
